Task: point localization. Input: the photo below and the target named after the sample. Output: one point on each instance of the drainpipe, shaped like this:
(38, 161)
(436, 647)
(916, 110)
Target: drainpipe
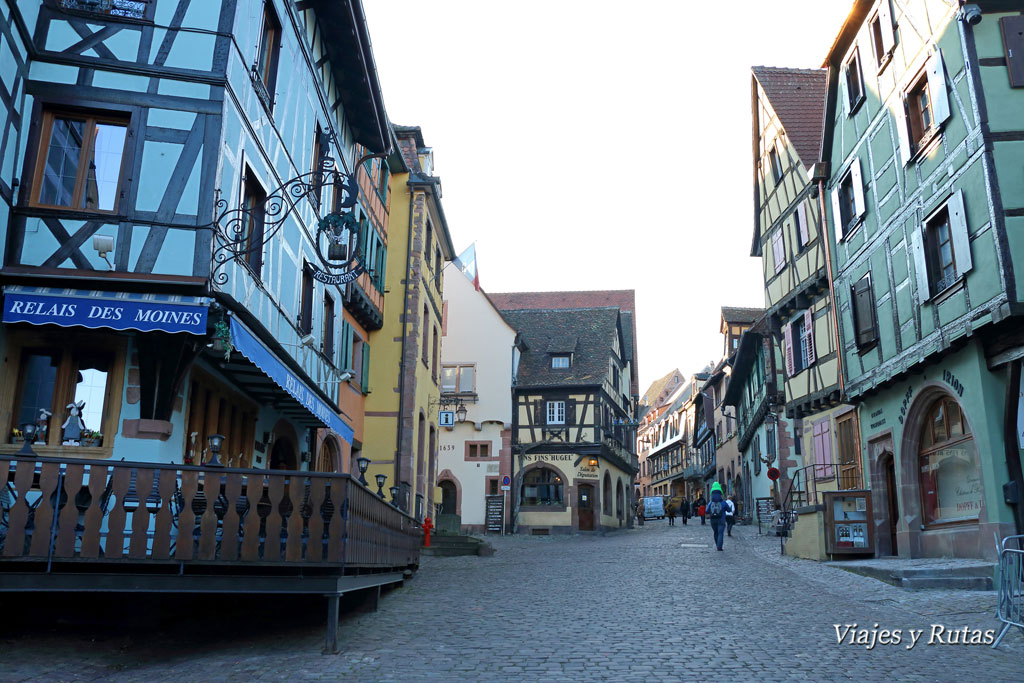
(1014, 488)
(401, 363)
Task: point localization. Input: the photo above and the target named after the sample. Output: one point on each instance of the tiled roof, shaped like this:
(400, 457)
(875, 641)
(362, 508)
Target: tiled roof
(742, 316)
(623, 299)
(658, 386)
(798, 98)
(593, 332)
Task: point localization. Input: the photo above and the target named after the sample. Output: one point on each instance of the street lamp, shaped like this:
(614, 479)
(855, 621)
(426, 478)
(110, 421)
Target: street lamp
(394, 495)
(363, 463)
(381, 478)
(28, 431)
(215, 442)
(461, 412)
(592, 462)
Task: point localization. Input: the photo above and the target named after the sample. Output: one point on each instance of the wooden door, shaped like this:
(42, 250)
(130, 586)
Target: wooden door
(585, 506)
(892, 506)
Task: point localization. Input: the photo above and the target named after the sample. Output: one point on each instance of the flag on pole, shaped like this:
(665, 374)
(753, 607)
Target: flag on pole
(466, 262)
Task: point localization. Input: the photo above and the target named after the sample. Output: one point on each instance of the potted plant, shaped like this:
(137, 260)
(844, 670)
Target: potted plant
(91, 438)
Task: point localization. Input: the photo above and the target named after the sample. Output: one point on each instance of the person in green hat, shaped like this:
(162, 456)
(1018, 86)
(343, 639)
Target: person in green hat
(716, 514)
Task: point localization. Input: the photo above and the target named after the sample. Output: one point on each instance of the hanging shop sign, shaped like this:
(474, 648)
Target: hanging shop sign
(113, 310)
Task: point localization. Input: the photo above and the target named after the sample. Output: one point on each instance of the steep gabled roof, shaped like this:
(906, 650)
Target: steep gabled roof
(590, 331)
(623, 299)
(658, 386)
(741, 316)
(798, 98)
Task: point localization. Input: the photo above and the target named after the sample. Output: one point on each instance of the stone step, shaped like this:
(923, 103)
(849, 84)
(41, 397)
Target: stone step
(967, 583)
(444, 551)
(926, 574)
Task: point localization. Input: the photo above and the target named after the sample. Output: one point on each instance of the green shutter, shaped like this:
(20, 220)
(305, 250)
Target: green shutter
(365, 381)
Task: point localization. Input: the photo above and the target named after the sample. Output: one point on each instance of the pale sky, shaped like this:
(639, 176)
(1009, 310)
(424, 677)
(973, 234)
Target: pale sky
(590, 144)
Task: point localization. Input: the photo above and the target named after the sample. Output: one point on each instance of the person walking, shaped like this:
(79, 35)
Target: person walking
(670, 512)
(702, 504)
(716, 513)
(730, 514)
(684, 509)
(640, 512)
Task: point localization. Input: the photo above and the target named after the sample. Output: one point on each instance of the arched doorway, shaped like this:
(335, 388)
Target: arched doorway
(282, 456)
(941, 495)
(890, 512)
(329, 457)
(606, 504)
(620, 501)
(449, 497)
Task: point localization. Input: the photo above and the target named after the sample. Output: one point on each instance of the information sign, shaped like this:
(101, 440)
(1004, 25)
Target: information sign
(446, 418)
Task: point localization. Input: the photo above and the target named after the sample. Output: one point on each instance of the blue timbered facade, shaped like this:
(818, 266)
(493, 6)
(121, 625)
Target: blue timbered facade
(168, 169)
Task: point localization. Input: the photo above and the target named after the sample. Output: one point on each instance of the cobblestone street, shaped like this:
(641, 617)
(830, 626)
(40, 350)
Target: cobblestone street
(651, 603)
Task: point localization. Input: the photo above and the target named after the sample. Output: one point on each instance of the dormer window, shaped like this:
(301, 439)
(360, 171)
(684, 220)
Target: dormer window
(560, 362)
(123, 9)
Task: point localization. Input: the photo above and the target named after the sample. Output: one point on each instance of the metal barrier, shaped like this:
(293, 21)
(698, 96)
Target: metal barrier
(1011, 585)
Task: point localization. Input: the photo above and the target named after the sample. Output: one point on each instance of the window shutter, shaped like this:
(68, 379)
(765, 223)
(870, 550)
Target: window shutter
(937, 87)
(844, 81)
(1013, 46)
(787, 333)
(444, 319)
(958, 233)
(826, 448)
(863, 312)
(538, 412)
(920, 265)
(885, 19)
(837, 215)
(365, 380)
(778, 251)
(809, 337)
(858, 188)
(902, 130)
(801, 215)
(350, 340)
(570, 411)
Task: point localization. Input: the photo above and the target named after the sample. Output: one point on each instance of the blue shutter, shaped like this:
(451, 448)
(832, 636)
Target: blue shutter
(365, 380)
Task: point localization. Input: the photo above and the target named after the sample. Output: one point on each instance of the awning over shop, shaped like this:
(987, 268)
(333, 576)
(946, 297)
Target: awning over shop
(252, 348)
(95, 309)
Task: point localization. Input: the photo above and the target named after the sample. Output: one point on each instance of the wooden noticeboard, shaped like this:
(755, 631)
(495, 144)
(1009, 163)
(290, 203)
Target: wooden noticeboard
(495, 507)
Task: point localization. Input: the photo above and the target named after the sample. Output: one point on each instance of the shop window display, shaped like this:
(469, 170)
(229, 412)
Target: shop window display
(949, 474)
(542, 487)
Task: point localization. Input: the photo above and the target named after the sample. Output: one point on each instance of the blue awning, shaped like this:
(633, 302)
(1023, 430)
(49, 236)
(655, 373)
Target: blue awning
(252, 348)
(95, 309)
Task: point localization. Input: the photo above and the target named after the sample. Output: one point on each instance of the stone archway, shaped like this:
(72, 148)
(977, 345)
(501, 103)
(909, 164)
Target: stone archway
(329, 457)
(919, 535)
(284, 454)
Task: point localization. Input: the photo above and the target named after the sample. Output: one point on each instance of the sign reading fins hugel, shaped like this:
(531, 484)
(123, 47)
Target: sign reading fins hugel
(93, 310)
(251, 347)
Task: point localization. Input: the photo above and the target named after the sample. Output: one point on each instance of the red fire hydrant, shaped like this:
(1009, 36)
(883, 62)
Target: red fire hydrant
(427, 526)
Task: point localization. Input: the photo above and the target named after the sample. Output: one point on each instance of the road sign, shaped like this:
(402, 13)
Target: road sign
(506, 480)
(446, 418)
(773, 473)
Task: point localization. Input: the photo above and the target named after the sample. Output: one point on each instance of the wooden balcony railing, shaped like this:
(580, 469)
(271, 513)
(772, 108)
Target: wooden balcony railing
(67, 511)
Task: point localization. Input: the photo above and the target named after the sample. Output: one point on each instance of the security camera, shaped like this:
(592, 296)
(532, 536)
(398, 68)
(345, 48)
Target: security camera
(971, 14)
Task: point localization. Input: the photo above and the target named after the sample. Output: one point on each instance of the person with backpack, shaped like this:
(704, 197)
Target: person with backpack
(715, 511)
(730, 514)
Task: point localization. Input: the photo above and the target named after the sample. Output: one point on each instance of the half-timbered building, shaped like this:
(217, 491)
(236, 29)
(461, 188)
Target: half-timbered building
(175, 177)
(787, 116)
(924, 203)
(573, 459)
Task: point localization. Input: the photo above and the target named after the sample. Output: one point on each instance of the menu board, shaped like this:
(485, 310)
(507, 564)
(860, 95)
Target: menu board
(495, 506)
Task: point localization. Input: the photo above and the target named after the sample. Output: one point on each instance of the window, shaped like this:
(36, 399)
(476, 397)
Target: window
(437, 266)
(123, 9)
(265, 69)
(776, 163)
(942, 248)
(478, 449)
(560, 362)
(949, 476)
(321, 150)
(883, 38)
(51, 376)
(458, 379)
(251, 242)
(778, 251)
(328, 340)
(848, 205)
(556, 413)
(492, 487)
(863, 308)
(925, 108)
(437, 359)
(428, 246)
(799, 341)
(213, 408)
(382, 181)
(426, 336)
(541, 486)
(854, 82)
(800, 227)
(80, 161)
(306, 305)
